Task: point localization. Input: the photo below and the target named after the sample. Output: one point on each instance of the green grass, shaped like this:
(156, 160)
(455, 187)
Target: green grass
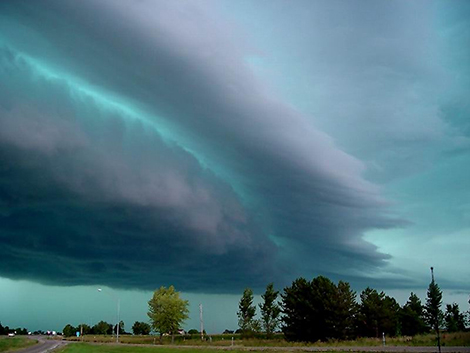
(447, 339)
(14, 343)
(195, 340)
(85, 347)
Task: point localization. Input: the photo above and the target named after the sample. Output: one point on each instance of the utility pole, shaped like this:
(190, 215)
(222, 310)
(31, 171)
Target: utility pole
(118, 301)
(202, 321)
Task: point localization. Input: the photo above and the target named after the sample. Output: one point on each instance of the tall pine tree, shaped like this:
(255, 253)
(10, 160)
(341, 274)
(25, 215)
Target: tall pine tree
(433, 307)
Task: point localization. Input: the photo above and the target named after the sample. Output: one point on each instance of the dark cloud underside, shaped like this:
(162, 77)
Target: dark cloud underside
(137, 149)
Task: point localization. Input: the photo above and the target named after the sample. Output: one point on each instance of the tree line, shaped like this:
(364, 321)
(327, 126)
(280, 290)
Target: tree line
(321, 310)
(167, 311)
(5, 330)
(306, 311)
(105, 328)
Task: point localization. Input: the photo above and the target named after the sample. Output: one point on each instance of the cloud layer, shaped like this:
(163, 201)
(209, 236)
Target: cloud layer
(138, 149)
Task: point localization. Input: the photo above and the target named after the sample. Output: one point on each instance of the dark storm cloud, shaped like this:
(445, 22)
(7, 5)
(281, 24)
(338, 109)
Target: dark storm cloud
(137, 149)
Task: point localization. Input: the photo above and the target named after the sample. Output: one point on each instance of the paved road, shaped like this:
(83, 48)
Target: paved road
(44, 345)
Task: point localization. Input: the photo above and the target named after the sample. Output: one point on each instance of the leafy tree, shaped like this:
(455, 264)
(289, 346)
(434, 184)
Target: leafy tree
(141, 328)
(378, 313)
(454, 319)
(270, 310)
(84, 329)
(69, 330)
(256, 327)
(21, 331)
(246, 312)
(193, 331)
(167, 311)
(102, 328)
(121, 328)
(2, 329)
(412, 317)
(468, 314)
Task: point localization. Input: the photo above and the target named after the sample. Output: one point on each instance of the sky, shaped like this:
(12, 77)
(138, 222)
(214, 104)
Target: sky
(219, 145)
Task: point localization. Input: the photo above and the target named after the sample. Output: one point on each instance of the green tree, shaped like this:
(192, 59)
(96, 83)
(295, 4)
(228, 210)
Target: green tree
(69, 330)
(270, 310)
(141, 328)
(454, 319)
(121, 328)
(322, 301)
(468, 314)
(246, 312)
(102, 328)
(433, 306)
(378, 313)
(433, 311)
(21, 331)
(84, 329)
(345, 312)
(318, 310)
(193, 331)
(412, 317)
(167, 311)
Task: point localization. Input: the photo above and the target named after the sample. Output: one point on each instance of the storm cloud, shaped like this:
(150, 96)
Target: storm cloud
(138, 149)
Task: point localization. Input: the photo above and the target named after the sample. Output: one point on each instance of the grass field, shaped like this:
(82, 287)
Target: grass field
(447, 339)
(14, 343)
(85, 347)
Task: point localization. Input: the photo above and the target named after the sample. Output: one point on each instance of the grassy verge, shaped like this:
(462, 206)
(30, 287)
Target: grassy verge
(89, 348)
(447, 339)
(14, 343)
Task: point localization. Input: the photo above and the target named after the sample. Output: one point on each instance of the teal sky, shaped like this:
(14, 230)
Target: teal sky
(218, 145)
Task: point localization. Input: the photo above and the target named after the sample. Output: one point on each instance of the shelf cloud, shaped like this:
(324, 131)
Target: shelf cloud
(139, 149)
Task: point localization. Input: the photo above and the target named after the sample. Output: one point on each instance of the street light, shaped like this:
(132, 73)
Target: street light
(118, 301)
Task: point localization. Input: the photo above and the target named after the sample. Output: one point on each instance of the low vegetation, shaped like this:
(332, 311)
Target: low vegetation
(14, 343)
(84, 347)
(448, 339)
(88, 348)
(319, 312)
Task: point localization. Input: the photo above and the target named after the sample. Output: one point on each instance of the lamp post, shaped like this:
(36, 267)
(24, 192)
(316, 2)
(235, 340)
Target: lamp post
(118, 301)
